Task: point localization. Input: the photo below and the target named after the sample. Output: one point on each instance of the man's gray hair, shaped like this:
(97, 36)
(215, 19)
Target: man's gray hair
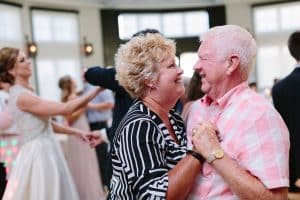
(233, 39)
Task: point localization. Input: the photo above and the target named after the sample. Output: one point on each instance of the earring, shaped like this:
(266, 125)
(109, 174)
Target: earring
(151, 86)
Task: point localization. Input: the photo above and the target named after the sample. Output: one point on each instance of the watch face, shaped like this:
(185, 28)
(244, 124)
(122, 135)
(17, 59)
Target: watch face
(219, 153)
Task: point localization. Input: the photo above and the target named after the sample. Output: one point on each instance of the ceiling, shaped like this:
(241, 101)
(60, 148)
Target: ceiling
(146, 4)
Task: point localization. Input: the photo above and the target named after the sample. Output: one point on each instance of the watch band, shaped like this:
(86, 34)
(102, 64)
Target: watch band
(211, 158)
(196, 155)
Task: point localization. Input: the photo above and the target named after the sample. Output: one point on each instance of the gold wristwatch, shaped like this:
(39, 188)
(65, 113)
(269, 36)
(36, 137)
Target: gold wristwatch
(216, 154)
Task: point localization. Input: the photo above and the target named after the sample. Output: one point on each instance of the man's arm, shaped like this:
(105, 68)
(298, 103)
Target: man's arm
(104, 77)
(243, 184)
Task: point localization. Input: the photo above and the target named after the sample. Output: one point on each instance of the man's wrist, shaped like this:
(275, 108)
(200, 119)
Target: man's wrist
(216, 154)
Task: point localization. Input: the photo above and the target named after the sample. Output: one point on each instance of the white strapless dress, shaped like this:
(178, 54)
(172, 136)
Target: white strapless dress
(40, 171)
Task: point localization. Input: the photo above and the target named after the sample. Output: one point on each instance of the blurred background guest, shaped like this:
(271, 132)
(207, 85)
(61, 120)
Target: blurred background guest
(194, 92)
(99, 116)
(80, 157)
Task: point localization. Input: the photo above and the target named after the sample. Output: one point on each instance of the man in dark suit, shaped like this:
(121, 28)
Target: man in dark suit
(286, 98)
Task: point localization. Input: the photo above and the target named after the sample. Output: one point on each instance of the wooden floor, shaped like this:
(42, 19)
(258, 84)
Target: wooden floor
(294, 196)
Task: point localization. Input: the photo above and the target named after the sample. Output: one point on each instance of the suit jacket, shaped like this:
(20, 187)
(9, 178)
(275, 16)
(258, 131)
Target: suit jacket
(286, 98)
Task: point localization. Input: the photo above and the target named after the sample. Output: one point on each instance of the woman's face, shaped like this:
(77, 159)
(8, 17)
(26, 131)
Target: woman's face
(170, 82)
(22, 66)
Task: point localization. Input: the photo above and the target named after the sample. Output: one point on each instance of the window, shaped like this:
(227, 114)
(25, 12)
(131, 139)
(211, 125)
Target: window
(171, 24)
(187, 62)
(55, 27)
(279, 17)
(52, 70)
(57, 36)
(202, 20)
(273, 24)
(11, 30)
(149, 20)
(289, 17)
(269, 23)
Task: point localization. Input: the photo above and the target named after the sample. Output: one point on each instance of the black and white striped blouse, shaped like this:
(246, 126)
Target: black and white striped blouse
(143, 152)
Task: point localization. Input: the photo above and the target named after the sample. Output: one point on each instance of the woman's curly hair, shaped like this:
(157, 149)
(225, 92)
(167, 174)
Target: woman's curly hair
(138, 60)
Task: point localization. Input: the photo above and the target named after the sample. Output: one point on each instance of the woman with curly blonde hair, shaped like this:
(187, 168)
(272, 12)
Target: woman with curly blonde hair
(149, 154)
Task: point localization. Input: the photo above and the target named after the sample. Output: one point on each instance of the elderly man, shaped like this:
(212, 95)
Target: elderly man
(247, 157)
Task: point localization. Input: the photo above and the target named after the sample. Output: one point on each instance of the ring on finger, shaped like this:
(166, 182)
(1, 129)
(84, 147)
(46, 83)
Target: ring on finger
(194, 131)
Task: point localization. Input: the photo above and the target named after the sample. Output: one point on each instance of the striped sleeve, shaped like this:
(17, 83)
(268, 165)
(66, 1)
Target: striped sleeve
(143, 159)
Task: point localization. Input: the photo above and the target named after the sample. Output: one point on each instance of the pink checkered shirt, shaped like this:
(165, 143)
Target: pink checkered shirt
(252, 133)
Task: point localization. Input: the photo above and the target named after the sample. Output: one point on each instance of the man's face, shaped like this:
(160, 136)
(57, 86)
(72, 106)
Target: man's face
(211, 66)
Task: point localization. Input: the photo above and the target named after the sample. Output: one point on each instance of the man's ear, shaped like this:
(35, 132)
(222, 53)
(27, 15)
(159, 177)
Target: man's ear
(233, 64)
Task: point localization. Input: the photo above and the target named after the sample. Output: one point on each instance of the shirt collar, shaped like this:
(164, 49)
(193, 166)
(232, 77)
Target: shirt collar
(225, 99)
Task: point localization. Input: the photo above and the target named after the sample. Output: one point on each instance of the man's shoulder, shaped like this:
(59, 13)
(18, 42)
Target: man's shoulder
(98, 69)
(251, 102)
(289, 82)
(293, 76)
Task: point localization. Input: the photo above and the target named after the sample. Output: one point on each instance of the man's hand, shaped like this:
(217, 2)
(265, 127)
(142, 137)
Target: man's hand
(205, 138)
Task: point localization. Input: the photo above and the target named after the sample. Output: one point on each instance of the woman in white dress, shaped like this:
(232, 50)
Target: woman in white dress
(80, 157)
(40, 171)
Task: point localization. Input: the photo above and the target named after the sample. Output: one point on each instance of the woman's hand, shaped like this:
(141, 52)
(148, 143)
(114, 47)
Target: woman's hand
(82, 136)
(94, 138)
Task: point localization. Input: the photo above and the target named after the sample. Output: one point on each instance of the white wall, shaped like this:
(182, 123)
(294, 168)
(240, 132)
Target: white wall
(90, 27)
(241, 14)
